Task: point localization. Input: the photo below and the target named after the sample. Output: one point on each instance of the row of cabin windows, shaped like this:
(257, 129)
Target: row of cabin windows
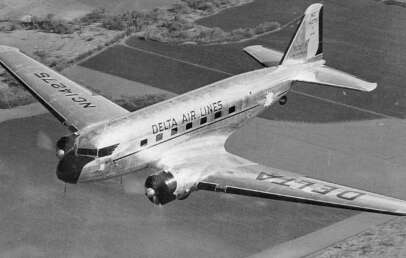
(189, 125)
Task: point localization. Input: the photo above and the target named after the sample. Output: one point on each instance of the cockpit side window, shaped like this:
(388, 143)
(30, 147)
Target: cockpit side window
(87, 152)
(106, 151)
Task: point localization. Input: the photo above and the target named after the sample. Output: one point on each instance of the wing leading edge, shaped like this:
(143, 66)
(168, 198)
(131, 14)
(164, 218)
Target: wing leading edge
(72, 104)
(210, 167)
(260, 181)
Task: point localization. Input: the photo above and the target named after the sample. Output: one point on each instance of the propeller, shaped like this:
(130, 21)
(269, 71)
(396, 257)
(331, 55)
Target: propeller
(151, 195)
(133, 184)
(149, 192)
(45, 142)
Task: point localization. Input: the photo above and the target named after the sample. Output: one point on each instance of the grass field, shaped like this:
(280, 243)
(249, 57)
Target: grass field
(69, 9)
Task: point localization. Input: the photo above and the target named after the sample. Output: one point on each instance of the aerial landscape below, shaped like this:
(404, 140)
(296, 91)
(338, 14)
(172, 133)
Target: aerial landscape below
(138, 53)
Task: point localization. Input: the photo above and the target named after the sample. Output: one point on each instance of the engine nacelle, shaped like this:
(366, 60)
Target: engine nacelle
(64, 144)
(162, 188)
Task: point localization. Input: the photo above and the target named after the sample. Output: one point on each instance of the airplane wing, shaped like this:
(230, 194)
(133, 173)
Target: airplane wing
(220, 171)
(73, 105)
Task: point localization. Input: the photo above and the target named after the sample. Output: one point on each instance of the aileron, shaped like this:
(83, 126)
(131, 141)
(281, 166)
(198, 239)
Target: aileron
(270, 183)
(72, 104)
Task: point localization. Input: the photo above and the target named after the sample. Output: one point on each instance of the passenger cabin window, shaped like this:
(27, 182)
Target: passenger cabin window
(231, 110)
(188, 126)
(203, 120)
(217, 114)
(87, 152)
(159, 137)
(144, 142)
(106, 151)
(174, 131)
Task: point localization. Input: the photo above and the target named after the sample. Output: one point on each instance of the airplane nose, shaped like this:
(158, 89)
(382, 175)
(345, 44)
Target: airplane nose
(70, 167)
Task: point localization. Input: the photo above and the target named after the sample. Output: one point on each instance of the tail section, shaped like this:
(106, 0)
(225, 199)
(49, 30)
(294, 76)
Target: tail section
(307, 43)
(306, 47)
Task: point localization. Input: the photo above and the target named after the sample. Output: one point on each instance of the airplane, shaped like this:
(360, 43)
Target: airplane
(183, 138)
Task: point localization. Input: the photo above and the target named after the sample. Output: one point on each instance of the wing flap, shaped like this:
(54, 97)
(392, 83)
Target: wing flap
(72, 104)
(260, 181)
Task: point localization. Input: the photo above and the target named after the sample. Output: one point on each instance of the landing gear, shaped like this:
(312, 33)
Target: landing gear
(283, 100)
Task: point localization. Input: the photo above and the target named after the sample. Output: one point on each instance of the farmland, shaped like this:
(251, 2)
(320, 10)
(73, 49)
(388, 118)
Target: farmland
(335, 135)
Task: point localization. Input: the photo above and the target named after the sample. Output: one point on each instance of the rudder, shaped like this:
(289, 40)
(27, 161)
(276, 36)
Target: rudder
(307, 43)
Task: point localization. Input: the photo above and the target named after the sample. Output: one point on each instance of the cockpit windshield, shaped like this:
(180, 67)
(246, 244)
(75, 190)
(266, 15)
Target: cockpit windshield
(106, 151)
(87, 152)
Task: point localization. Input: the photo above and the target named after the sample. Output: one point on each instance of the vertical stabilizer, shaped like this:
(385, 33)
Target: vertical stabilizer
(307, 43)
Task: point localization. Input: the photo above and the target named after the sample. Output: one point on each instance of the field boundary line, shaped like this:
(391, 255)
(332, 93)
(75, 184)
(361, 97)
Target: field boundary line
(178, 60)
(325, 237)
(231, 74)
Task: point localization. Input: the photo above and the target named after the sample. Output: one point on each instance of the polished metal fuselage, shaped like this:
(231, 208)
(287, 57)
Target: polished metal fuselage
(238, 98)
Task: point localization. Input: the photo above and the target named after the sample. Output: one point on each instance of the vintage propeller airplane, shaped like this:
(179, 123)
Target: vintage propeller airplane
(184, 137)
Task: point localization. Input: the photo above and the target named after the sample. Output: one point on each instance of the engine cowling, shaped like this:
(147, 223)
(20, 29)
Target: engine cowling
(64, 144)
(162, 188)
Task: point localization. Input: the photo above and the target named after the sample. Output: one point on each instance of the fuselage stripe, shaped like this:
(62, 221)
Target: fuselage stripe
(187, 131)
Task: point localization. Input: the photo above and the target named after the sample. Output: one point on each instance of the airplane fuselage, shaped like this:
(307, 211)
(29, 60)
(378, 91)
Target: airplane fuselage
(137, 140)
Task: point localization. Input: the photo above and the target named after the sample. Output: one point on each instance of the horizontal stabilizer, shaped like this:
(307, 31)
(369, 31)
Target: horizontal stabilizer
(265, 56)
(332, 77)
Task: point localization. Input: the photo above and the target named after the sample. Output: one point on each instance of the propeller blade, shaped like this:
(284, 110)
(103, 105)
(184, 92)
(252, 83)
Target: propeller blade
(45, 142)
(133, 185)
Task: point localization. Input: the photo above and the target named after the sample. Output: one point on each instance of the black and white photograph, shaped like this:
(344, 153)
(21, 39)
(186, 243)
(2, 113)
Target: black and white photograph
(203, 128)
